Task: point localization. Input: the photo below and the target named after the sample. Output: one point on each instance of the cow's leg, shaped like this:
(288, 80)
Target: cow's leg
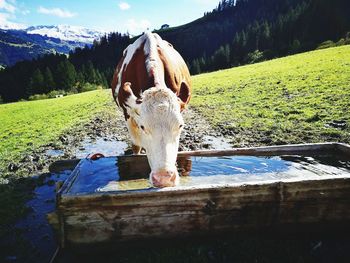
(136, 149)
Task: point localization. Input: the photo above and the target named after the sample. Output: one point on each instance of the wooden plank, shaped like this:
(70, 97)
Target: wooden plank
(120, 218)
(61, 165)
(344, 148)
(265, 150)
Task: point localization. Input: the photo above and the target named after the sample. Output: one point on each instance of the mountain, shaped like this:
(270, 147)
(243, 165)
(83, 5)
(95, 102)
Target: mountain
(26, 44)
(243, 31)
(235, 33)
(67, 33)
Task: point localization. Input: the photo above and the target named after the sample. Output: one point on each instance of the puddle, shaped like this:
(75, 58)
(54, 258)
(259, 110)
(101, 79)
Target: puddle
(107, 146)
(127, 173)
(218, 142)
(54, 153)
(34, 229)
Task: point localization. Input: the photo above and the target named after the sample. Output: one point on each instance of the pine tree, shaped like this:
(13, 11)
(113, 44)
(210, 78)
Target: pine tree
(65, 75)
(49, 83)
(195, 67)
(219, 59)
(80, 80)
(36, 83)
(202, 64)
(265, 41)
(90, 73)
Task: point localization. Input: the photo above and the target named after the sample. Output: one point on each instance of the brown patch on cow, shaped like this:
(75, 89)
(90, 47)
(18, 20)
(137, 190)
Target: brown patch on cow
(136, 74)
(115, 77)
(176, 76)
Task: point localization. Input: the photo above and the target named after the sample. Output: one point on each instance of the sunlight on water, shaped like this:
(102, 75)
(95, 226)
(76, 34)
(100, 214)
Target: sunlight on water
(106, 146)
(127, 173)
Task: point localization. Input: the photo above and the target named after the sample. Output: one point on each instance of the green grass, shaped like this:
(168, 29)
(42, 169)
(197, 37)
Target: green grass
(28, 125)
(287, 100)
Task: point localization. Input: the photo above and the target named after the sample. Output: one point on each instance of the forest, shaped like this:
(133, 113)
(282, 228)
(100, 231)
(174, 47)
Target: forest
(234, 33)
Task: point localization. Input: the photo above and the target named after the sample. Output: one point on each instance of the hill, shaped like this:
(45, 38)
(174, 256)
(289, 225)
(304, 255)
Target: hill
(297, 99)
(246, 31)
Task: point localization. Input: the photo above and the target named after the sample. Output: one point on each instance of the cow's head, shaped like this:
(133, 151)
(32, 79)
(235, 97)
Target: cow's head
(155, 123)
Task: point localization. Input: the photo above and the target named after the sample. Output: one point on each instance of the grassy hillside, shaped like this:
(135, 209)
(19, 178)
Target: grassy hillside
(28, 125)
(296, 99)
(301, 98)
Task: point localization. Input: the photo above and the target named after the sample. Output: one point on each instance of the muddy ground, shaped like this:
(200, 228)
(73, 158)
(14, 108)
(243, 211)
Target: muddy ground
(110, 127)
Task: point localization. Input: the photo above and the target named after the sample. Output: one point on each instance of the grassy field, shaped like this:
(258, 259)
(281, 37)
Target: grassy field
(28, 125)
(289, 100)
(296, 99)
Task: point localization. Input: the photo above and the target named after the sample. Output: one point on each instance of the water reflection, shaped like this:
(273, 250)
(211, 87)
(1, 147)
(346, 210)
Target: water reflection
(131, 172)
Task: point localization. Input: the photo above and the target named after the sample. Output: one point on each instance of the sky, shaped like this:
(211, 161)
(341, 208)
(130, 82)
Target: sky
(133, 16)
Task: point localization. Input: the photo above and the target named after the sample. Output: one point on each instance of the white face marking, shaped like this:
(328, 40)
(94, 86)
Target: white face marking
(160, 123)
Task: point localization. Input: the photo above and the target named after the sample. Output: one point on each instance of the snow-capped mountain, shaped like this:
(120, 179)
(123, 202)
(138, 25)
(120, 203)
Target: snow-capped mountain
(66, 32)
(34, 41)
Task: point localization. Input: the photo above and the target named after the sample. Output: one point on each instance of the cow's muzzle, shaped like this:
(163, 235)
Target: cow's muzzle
(164, 178)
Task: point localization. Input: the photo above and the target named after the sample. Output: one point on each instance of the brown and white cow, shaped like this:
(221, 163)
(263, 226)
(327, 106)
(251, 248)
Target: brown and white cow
(152, 85)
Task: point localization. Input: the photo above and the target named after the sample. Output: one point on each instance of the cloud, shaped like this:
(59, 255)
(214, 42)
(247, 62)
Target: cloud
(124, 6)
(7, 7)
(25, 12)
(5, 23)
(135, 27)
(56, 12)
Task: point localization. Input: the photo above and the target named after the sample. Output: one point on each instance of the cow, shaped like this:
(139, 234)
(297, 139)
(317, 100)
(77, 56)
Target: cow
(152, 86)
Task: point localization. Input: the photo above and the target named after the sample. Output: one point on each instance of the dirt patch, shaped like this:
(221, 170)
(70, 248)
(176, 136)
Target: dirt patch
(110, 127)
(199, 134)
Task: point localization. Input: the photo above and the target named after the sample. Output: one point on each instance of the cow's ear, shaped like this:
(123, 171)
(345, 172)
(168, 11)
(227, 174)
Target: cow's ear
(131, 101)
(184, 95)
(127, 90)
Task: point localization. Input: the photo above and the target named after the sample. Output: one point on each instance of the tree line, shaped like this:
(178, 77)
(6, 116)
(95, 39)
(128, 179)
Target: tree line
(250, 31)
(83, 69)
(234, 33)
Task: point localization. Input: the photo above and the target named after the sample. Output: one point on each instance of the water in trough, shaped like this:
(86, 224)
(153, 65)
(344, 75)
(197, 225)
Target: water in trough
(127, 173)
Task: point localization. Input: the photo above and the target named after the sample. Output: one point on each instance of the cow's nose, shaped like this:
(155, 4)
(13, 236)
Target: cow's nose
(164, 178)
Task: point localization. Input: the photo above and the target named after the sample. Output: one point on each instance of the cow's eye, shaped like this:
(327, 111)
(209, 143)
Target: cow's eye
(180, 126)
(142, 127)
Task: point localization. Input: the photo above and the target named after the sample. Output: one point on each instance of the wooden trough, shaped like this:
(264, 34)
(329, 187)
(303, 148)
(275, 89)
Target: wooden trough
(281, 199)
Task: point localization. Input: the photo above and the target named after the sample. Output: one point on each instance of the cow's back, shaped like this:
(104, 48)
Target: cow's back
(150, 62)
